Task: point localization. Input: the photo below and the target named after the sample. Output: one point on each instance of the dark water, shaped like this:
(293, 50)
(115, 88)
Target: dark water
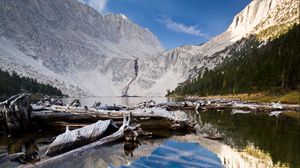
(29, 144)
(266, 138)
(271, 141)
(277, 137)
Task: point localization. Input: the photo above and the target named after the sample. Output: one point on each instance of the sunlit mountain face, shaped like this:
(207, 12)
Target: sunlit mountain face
(70, 45)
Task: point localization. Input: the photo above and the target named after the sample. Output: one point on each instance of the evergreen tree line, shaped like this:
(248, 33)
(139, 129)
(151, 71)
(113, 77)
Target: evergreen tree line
(14, 84)
(273, 67)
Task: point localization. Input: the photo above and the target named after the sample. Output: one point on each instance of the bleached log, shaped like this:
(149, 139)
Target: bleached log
(79, 137)
(110, 138)
(255, 107)
(149, 119)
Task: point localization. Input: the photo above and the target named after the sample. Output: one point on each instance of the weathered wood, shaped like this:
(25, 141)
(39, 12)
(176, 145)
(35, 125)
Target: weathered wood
(255, 107)
(48, 101)
(75, 103)
(148, 118)
(15, 113)
(79, 137)
(110, 138)
(45, 117)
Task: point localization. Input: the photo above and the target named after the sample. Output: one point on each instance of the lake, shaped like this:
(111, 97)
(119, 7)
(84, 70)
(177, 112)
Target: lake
(126, 101)
(250, 140)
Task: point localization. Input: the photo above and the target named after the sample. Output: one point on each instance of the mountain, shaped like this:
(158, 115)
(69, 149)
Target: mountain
(70, 45)
(272, 67)
(262, 18)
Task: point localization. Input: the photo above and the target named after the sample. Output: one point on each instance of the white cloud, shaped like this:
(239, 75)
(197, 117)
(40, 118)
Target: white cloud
(99, 5)
(181, 28)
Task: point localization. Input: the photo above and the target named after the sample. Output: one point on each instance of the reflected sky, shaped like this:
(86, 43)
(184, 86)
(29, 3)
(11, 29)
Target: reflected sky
(174, 154)
(250, 139)
(256, 133)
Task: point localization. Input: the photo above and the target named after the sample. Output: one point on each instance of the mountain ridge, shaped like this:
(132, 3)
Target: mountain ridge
(72, 41)
(271, 67)
(185, 62)
(71, 46)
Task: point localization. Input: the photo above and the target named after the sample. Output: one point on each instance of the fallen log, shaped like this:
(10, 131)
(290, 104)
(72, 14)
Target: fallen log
(48, 101)
(75, 103)
(49, 116)
(79, 137)
(127, 125)
(255, 107)
(149, 119)
(145, 104)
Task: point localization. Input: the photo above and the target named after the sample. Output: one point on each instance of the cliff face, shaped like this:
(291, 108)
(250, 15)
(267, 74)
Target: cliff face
(69, 39)
(263, 18)
(71, 46)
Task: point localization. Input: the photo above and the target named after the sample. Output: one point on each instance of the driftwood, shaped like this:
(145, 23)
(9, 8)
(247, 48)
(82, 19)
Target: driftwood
(119, 134)
(148, 116)
(148, 119)
(145, 104)
(154, 118)
(47, 102)
(99, 106)
(230, 105)
(75, 103)
(15, 113)
(79, 137)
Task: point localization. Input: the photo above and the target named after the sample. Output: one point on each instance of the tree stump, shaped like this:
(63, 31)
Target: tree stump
(15, 113)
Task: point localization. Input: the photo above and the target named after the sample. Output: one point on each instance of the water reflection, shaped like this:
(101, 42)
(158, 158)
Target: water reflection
(174, 154)
(29, 151)
(130, 146)
(266, 141)
(24, 149)
(258, 135)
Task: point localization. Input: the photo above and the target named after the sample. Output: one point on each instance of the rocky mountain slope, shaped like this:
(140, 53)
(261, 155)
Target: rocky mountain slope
(262, 18)
(272, 67)
(71, 46)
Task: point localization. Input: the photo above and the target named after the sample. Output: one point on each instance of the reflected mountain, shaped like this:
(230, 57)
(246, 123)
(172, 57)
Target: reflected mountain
(257, 134)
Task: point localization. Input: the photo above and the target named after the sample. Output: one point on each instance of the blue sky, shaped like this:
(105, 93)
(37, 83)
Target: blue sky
(176, 22)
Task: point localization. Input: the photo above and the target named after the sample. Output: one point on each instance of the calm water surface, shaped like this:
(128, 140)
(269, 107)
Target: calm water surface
(250, 140)
(273, 141)
(126, 101)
